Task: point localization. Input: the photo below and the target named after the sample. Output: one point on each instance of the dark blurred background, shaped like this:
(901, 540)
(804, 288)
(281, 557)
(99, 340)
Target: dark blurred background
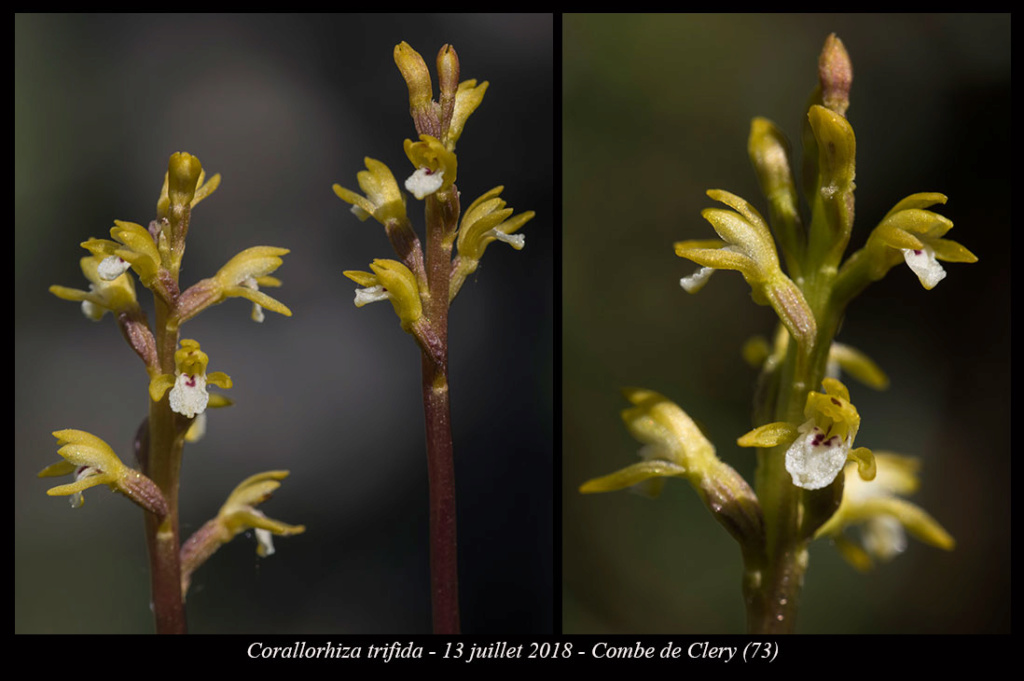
(657, 110)
(283, 106)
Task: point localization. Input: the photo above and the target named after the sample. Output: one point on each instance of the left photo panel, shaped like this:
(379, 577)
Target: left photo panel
(206, 206)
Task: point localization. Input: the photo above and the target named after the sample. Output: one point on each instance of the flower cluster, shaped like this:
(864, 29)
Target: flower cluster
(439, 124)
(812, 481)
(178, 393)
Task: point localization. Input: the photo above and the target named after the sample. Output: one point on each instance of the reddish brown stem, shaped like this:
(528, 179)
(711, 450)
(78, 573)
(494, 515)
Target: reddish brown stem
(163, 467)
(441, 218)
(444, 573)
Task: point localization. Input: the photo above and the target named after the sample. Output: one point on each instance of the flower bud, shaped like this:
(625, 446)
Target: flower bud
(835, 71)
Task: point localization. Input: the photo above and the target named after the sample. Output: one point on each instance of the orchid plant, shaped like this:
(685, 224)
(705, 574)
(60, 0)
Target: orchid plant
(178, 384)
(811, 482)
(424, 281)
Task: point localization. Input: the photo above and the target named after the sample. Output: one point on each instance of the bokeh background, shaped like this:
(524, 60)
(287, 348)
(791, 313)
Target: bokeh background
(657, 110)
(283, 106)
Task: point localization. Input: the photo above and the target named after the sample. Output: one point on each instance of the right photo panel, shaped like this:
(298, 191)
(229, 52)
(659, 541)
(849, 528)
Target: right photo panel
(786, 317)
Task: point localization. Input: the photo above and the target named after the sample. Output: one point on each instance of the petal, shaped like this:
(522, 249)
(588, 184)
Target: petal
(188, 397)
(254, 262)
(920, 200)
(769, 435)
(632, 475)
(924, 264)
(696, 281)
(467, 99)
(424, 182)
(814, 462)
(951, 251)
(159, 385)
(858, 365)
(219, 379)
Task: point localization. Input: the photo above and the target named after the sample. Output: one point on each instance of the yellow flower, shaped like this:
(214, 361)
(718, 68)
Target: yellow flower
(106, 294)
(246, 272)
(915, 234)
(240, 277)
(746, 246)
(188, 395)
(436, 166)
(237, 515)
(239, 512)
(674, 446)
(93, 462)
(883, 517)
(383, 201)
(486, 220)
(188, 184)
(390, 280)
(819, 448)
(132, 246)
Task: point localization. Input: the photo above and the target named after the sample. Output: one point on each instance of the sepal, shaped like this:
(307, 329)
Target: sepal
(674, 446)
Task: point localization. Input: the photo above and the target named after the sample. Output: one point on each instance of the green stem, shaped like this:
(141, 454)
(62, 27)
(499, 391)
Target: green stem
(774, 579)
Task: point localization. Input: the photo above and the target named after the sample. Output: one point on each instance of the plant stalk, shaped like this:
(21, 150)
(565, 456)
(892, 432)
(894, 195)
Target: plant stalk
(441, 219)
(162, 464)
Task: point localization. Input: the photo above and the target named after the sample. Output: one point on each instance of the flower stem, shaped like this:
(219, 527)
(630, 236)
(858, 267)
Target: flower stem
(442, 214)
(790, 514)
(162, 464)
(444, 578)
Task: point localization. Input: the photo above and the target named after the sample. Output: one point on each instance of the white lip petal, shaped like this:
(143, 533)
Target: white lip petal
(814, 461)
(188, 397)
(925, 265)
(424, 182)
(112, 267)
(370, 294)
(696, 281)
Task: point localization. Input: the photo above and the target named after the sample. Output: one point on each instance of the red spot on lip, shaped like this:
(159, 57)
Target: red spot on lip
(917, 251)
(191, 382)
